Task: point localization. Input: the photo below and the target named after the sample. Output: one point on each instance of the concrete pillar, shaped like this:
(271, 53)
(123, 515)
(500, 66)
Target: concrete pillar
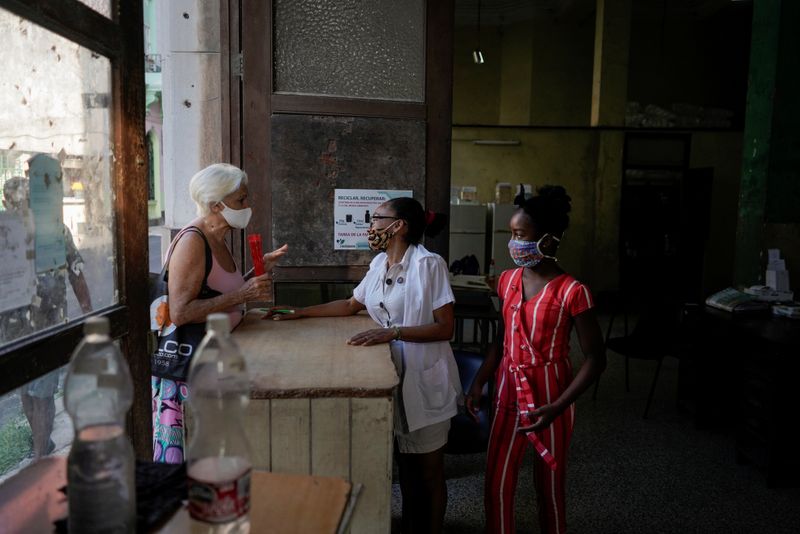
(770, 189)
(607, 194)
(191, 98)
(782, 229)
(610, 77)
(757, 130)
(609, 95)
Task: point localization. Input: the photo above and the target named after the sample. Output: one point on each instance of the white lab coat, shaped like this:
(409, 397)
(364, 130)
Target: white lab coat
(431, 386)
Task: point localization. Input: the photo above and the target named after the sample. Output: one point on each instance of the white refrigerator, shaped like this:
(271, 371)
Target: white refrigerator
(499, 234)
(468, 232)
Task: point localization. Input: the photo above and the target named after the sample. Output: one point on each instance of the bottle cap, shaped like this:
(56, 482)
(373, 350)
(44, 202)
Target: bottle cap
(218, 322)
(96, 325)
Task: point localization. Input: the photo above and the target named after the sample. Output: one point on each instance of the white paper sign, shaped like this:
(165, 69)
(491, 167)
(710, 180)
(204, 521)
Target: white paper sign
(17, 277)
(352, 210)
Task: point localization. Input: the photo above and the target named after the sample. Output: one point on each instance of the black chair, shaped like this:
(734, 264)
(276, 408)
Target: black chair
(475, 307)
(466, 436)
(653, 337)
(469, 347)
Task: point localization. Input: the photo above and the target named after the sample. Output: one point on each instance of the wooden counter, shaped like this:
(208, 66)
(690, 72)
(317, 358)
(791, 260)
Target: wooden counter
(322, 407)
(742, 374)
(311, 358)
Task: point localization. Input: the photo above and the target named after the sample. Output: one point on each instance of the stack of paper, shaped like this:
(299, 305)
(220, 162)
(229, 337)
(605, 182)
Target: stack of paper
(769, 294)
(777, 275)
(733, 300)
(787, 310)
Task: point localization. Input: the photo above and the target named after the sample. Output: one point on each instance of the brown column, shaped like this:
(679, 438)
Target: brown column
(610, 80)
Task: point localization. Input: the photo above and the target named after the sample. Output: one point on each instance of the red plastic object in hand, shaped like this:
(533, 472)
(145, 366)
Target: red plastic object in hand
(256, 253)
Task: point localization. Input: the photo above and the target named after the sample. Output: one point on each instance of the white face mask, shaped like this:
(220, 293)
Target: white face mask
(236, 218)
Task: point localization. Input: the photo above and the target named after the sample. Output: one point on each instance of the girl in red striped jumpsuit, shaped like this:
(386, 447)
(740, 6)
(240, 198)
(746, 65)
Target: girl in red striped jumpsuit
(535, 388)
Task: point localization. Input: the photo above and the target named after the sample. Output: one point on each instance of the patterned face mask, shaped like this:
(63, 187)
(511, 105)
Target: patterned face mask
(528, 253)
(378, 240)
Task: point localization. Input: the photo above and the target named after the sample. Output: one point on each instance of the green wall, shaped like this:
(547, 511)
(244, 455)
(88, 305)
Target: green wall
(562, 57)
(723, 152)
(551, 62)
(476, 88)
(588, 163)
(535, 73)
(564, 157)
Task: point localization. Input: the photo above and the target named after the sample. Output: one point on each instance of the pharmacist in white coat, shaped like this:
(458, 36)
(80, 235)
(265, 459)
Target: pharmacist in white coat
(407, 292)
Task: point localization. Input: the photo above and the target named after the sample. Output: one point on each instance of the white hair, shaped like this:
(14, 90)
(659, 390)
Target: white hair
(214, 183)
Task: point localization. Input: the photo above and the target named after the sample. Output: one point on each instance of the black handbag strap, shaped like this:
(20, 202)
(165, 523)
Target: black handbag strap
(164, 277)
(168, 364)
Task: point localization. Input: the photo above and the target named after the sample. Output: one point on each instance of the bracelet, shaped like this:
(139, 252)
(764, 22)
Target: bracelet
(396, 333)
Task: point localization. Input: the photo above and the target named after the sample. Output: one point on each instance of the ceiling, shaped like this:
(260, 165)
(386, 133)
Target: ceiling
(504, 12)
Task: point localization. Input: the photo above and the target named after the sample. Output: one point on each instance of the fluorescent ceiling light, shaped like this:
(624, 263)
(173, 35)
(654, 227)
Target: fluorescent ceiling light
(496, 142)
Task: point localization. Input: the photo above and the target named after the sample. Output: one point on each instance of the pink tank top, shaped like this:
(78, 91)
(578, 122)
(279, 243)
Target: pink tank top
(221, 280)
(218, 279)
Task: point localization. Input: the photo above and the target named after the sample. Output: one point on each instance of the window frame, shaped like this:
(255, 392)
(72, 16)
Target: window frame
(121, 40)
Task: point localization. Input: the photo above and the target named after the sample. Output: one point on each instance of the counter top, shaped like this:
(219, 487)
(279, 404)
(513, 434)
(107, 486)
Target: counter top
(781, 331)
(33, 500)
(311, 358)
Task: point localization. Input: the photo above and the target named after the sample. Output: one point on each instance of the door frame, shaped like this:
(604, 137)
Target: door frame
(251, 112)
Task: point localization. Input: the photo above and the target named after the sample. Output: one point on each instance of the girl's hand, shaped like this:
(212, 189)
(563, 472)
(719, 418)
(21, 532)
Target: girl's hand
(258, 288)
(271, 258)
(283, 313)
(375, 336)
(473, 400)
(546, 414)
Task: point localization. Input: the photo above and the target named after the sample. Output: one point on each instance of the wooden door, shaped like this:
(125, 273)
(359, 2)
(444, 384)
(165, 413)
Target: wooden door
(345, 95)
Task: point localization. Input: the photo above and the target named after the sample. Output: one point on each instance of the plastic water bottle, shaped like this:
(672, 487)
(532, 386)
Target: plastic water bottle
(98, 392)
(218, 457)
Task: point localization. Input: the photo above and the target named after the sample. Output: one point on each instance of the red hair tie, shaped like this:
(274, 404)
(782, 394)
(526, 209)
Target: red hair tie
(429, 217)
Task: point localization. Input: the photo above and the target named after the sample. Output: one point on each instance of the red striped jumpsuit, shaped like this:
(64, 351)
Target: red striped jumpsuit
(535, 370)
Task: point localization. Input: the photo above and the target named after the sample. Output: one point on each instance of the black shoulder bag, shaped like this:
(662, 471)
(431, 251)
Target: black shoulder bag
(176, 344)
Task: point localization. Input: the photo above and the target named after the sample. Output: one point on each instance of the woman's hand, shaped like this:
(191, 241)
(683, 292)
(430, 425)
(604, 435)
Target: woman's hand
(375, 336)
(283, 313)
(271, 258)
(591, 340)
(546, 414)
(258, 288)
(473, 400)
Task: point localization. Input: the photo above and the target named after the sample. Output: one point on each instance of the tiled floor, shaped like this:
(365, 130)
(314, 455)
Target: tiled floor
(629, 475)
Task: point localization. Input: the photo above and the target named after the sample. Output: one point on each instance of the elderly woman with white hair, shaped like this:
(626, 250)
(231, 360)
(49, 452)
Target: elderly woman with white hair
(220, 192)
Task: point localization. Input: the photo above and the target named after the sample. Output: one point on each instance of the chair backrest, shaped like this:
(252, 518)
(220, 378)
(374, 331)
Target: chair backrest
(658, 319)
(476, 320)
(468, 364)
(690, 326)
(655, 317)
(466, 436)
